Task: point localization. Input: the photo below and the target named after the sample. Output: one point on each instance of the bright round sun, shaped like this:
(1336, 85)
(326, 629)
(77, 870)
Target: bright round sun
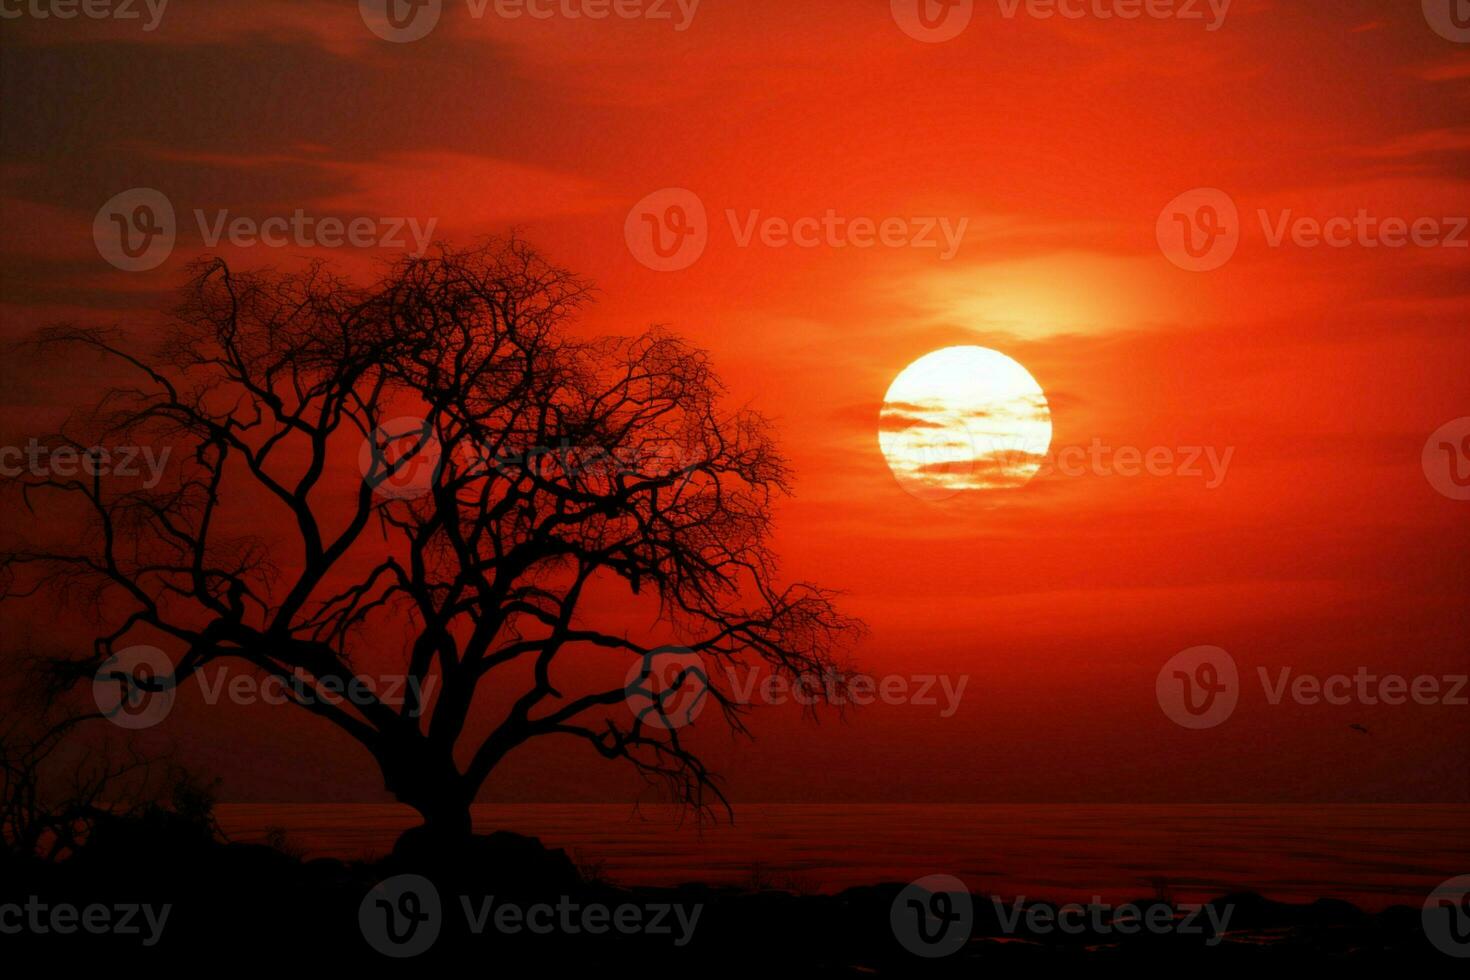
(964, 418)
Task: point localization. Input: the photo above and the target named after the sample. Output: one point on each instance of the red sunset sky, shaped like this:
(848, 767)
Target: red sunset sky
(1059, 141)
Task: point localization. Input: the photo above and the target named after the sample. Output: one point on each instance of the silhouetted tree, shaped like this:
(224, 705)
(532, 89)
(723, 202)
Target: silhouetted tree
(56, 792)
(435, 450)
(37, 821)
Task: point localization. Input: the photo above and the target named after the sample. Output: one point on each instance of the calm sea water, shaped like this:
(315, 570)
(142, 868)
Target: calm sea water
(1370, 855)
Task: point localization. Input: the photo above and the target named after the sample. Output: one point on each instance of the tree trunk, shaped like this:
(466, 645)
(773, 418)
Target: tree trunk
(442, 837)
(448, 819)
(430, 783)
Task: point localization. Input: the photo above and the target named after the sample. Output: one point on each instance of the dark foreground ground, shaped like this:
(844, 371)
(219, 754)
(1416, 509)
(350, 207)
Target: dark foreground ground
(505, 900)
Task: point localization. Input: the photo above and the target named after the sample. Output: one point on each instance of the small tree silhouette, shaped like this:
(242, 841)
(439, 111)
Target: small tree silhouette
(532, 465)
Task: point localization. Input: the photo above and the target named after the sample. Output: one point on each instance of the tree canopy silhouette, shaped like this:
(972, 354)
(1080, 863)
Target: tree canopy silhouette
(436, 450)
